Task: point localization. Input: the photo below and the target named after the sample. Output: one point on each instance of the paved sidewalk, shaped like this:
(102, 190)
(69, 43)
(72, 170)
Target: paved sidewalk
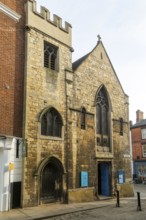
(50, 210)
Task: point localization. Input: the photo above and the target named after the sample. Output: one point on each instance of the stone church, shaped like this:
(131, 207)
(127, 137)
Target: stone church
(76, 118)
(64, 133)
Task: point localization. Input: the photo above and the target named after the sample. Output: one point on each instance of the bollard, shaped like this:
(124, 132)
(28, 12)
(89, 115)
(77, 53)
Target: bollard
(138, 202)
(118, 199)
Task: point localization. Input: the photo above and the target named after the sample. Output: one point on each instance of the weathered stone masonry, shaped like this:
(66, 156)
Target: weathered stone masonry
(68, 90)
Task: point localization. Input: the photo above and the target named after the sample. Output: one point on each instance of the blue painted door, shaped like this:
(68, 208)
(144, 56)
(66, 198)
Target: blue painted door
(105, 185)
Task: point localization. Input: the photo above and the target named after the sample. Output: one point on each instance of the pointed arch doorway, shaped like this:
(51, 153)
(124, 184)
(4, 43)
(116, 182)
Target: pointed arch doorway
(51, 181)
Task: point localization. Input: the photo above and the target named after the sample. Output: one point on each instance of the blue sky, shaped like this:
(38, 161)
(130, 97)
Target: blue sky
(122, 26)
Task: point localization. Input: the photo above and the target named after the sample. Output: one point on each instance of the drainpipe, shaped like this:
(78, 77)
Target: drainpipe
(26, 71)
(66, 141)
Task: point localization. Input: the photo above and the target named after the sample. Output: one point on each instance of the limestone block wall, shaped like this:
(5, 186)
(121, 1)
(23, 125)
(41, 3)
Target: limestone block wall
(44, 88)
(95, 71)
(81, 153)
(68, 92)
(86, 150)
(42, 21)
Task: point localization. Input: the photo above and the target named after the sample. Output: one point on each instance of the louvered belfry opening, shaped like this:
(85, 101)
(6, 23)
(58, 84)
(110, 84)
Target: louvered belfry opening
(50, 56)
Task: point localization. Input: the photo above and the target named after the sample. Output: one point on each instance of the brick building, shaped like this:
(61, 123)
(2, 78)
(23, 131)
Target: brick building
(138, 138)
(12, 42)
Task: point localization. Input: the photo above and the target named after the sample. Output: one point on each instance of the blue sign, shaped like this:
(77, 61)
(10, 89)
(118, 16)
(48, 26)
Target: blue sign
(121, 176)
(84, 179)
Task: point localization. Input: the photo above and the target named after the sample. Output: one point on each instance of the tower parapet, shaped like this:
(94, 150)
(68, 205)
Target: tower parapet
(42, 21)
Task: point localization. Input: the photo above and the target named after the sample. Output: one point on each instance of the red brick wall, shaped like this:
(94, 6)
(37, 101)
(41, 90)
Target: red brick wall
(136, 143)
(12, 43)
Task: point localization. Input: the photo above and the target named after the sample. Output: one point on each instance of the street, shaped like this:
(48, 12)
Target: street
(126, 211)
(140, 188)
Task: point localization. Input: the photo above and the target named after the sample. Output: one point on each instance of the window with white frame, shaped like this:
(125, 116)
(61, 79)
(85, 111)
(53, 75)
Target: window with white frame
(143, 133)
(144, 150)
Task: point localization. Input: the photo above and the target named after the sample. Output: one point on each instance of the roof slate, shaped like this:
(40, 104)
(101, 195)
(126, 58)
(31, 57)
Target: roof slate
(79, 61)
(139, 124)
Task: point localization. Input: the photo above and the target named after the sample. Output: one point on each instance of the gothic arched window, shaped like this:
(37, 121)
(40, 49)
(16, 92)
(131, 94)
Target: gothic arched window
(102, 117)
(51, 123)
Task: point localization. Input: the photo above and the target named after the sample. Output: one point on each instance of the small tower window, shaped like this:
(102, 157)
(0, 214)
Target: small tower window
(121, 126)
(50, 56)
(83, 118)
